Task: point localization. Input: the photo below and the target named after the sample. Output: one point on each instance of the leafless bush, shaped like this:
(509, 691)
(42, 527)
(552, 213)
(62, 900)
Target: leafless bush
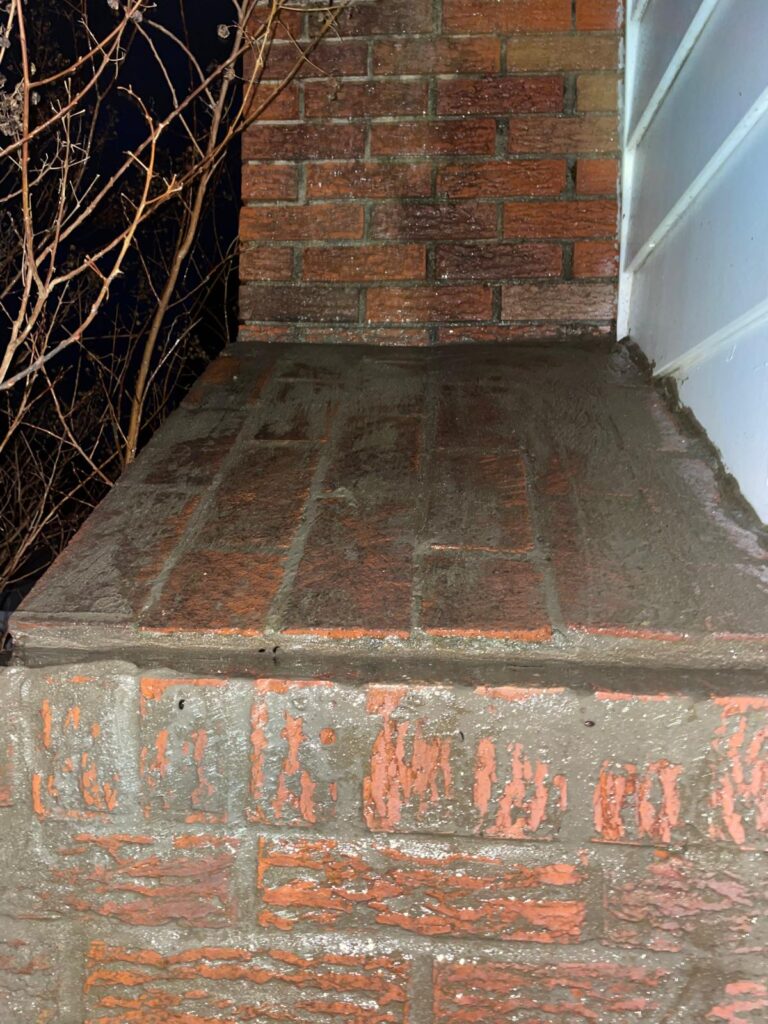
(102, 276)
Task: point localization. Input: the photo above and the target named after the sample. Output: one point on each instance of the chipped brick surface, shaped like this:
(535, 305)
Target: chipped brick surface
(632, 801)
(296, 762)
(77, 770)
(742, 1001)
(700, 901)
(197, 985)
(485, 776)
(344, 885)
(643, 792)
(394, 852)
(739, 794)
(182, 763)
(9, 746)
(500, 993)
(135, 880)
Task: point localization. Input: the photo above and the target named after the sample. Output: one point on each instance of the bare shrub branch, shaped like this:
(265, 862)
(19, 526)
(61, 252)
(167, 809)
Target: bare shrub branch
(103, 278)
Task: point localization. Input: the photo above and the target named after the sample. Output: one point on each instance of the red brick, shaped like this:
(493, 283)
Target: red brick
(328, 884)
(498, 262)
(289, 25)
(365, 263)
(355, 577)
(396, 336)
(329, 58)
(525, 332)
(269, 181)
(182, 759)
(597, 177)
(428, 304)
(267, 263)
(260, 503)
(297, 303)
(495, 993)
(193, 985)
(433, 222)
(421, 138)
(599, 14)
(676, 903)
(410, 779)
(395, 18)
(568, 220)
(303, 142)
(225, 383)
(294, 765)
(473, 595)
(590, 133)
(600, 591)
(473, 416)
(492, 95)
(566, 301)
(266, 332)
(299, 410)
(739, 795)
(597, 92)
(122, 553)
(595, 259)
(443, 56)
(320, 371)
(76, 765)
(553, 52)
(506, 16)
(372, 180)
(210, 590)
(274, 103)
(478, 502)
(637, 803)
(500, 180)
(316, 222)
(136, 880)
(380, 98)
(529, 805)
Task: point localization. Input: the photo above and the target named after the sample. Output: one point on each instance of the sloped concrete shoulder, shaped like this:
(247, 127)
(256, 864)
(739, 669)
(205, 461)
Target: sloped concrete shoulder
(221, 848)
(467, 502)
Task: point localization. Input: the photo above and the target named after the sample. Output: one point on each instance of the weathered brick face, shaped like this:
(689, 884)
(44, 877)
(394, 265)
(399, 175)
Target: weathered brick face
(382, 853)
(449, 167)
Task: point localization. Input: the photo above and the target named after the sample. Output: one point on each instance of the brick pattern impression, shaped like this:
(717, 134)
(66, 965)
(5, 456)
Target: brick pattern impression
(442, 170)
(389, 853)
(444, 498)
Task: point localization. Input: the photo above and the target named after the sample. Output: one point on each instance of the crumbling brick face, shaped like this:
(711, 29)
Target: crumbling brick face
(446, 166)
(385, 853)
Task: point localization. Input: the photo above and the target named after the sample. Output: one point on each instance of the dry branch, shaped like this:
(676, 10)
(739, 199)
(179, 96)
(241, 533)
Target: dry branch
(84, 369)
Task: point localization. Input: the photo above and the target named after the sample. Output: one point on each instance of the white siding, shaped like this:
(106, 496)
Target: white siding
(694, 287)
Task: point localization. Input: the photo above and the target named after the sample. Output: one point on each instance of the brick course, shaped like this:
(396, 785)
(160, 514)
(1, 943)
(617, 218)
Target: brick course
(414, 123)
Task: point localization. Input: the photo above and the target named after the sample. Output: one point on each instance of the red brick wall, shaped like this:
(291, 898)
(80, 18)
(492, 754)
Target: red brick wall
(449, 175)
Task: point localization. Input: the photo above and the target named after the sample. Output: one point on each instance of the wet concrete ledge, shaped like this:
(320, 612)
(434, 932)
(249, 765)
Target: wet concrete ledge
(419, 507)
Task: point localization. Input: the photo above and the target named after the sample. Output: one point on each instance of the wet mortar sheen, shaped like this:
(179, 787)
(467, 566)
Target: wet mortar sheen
(394, 687)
